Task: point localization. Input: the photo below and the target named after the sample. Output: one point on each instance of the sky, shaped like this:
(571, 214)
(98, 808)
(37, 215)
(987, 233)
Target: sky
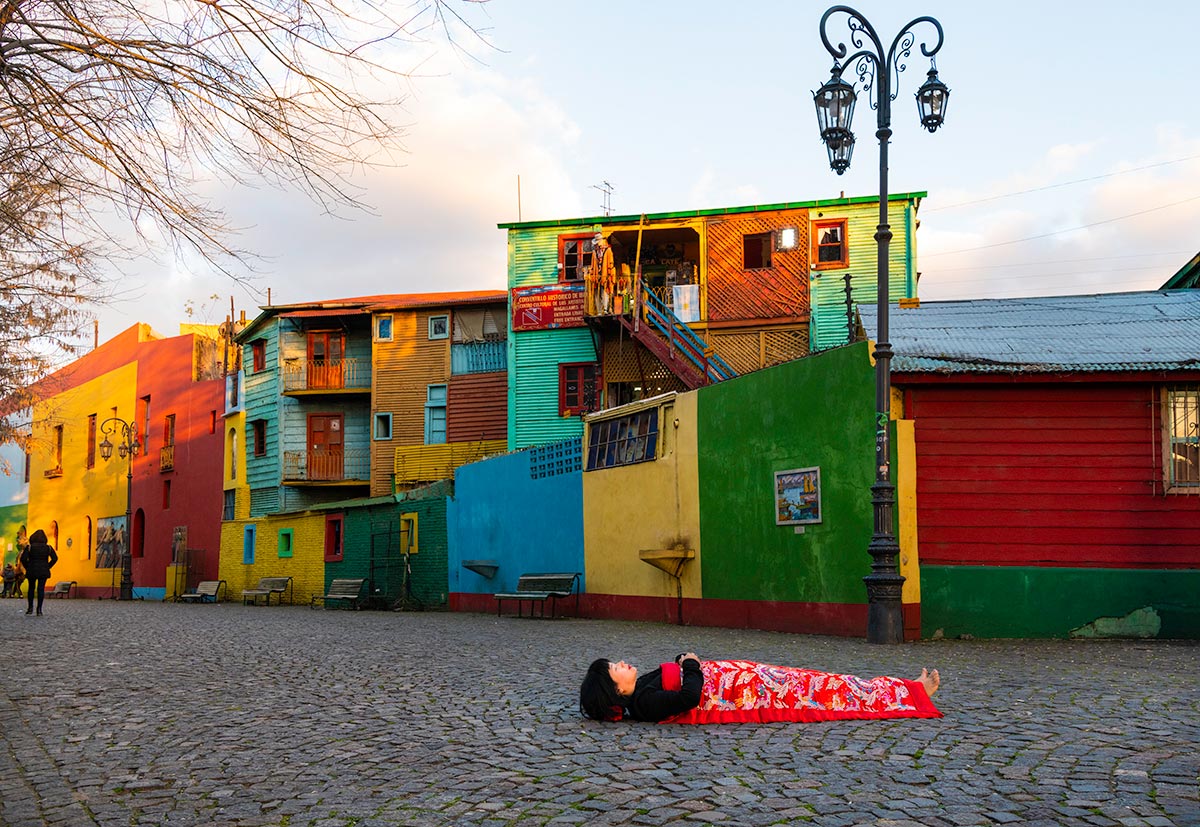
(1069, 162)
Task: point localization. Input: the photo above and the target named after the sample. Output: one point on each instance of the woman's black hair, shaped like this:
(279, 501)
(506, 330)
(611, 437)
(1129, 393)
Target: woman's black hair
(598, 696)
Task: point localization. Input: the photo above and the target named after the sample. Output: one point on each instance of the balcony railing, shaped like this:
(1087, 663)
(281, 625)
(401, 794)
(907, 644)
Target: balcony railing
(327, 465)
(51, 473)
(166, 458)
(478, 357)
(326, 375)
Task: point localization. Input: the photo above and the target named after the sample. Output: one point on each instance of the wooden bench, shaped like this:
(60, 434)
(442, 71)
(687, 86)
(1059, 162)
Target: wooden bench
(347, 589)
(538, 588)
(61, 589)
(206, 591)
(268, 586)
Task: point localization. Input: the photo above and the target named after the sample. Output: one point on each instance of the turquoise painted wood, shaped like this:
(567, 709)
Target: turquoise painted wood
(262, 391)
(535, 356)
(828, 326)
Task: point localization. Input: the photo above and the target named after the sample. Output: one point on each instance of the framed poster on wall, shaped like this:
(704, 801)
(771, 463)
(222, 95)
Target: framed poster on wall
(798, 496)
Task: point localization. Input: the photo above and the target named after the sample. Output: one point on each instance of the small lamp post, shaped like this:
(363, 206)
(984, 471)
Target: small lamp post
(127, 448)
(879, 72)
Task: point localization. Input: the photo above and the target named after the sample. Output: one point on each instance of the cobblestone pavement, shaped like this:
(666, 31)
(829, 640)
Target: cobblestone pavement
(146, 713)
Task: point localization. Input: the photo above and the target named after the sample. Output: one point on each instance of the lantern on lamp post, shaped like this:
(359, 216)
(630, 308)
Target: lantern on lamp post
(127, 448)
(879, 72)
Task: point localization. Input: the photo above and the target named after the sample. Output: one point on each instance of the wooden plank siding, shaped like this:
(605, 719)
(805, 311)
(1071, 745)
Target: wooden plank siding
(1046, 475)
(402, 370)
(477, 407)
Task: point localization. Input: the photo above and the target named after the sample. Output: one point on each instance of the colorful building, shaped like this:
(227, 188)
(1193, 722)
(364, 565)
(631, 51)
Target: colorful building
(169, 391)
(343, 406)
(1057, 462)
(614, 309)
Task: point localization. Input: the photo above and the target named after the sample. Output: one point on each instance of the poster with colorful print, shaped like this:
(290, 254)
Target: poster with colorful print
(110, 541)
(798, 496)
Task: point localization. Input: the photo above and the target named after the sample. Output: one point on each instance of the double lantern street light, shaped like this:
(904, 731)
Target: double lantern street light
(127, 447)
(879, 72)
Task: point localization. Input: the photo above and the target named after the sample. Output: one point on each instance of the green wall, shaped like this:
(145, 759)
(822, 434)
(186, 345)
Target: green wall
(814, 411)
(1030, 601)
(12, 517)
(373, 533)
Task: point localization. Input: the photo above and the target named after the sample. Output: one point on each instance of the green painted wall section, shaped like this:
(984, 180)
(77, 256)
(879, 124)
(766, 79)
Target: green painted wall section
(1029, 601)
(816, 411)
(828, 298)
(12, 517)
(372, 547)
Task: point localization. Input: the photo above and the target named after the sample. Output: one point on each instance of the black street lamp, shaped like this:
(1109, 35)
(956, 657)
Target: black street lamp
(127, 447)
(879, 72)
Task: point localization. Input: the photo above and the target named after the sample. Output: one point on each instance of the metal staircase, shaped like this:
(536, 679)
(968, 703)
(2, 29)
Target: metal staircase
(674, 343)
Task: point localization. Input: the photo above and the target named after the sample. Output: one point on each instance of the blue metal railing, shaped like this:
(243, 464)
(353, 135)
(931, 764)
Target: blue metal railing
(683, 339)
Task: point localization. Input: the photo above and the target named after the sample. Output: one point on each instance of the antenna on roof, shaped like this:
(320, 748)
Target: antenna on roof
(607, 189)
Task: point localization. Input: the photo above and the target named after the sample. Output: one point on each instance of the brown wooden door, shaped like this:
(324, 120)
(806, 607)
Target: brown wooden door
(326, 362)
(325, 447)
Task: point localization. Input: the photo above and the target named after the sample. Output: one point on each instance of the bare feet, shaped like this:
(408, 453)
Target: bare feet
(930, 680)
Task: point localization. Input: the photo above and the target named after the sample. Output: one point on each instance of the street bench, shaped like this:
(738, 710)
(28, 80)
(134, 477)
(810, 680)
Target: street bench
(207, 591)
(268, 586)
(61, 589)
(538, 588)
(347, 589)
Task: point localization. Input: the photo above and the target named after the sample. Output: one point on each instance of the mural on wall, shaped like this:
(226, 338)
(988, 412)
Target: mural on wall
(798, 496)
(110, 541)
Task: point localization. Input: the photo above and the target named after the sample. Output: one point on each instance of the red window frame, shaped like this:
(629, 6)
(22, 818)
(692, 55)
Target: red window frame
(842, 246)
(335, 537)
(580, 399)
(258, 355)
(574, 264)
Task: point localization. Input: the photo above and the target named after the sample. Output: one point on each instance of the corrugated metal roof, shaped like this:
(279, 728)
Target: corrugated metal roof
(1153, 330)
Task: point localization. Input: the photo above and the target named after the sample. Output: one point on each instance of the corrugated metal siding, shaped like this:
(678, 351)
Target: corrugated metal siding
(428, 463)
(535, 355)
(264, 501)
(1035, 474)
(734, 293)
(829, 327)
(403, 369)
(477, 407)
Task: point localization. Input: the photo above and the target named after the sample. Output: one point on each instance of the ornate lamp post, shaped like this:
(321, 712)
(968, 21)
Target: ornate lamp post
(879, 72)
(127, 447)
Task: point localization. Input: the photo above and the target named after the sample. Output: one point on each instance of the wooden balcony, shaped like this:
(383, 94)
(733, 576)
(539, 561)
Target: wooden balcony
(324, 376)
(327, 466)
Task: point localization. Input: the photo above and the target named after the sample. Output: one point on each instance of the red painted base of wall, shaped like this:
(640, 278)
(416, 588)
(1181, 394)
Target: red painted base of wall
(843, 619)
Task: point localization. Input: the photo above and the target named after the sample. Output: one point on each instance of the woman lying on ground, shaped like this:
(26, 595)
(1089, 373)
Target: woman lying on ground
(690, 691)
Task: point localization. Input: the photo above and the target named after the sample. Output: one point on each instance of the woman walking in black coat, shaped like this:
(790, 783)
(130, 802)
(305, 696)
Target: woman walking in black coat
(38, 559)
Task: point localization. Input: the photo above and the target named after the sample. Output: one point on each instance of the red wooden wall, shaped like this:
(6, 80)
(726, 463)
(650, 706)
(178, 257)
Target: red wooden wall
(1046, 474)
(477, 407)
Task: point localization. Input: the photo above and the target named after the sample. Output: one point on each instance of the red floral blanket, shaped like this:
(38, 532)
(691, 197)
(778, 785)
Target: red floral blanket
(742, 691)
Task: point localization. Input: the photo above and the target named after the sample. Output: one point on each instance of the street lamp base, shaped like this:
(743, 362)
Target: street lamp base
(885, 615)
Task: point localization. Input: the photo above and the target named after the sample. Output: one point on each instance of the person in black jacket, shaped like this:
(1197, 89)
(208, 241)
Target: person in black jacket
(610, 691)
(38, 559)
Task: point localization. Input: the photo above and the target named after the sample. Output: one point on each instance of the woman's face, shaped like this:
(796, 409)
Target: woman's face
(624, 676)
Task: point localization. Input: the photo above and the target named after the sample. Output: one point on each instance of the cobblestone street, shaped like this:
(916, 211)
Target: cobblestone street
(146, 713)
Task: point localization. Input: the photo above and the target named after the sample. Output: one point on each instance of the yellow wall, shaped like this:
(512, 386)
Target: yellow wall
(236, 423)
(906, 502)
(665, 512)
(306, 566)
(80, 493)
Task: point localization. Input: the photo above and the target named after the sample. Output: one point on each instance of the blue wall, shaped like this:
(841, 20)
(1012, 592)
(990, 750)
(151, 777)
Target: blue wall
(500, 512)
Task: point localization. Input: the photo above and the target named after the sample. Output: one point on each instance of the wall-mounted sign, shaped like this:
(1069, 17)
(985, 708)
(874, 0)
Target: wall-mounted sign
(798, 496)
(548, 306)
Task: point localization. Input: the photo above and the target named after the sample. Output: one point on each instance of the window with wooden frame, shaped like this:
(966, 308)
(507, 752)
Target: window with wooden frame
(334, 525)
(383, 427)
(1181, 438)
(258, 428)
(91, 438)
(756, 250)
(249, 534)
(383, 328)
(623, 440)
(286, 541)
(574, 256)
(439, 327)
(578, 388)
(258, 355)
(829, 247)
(169, 429)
